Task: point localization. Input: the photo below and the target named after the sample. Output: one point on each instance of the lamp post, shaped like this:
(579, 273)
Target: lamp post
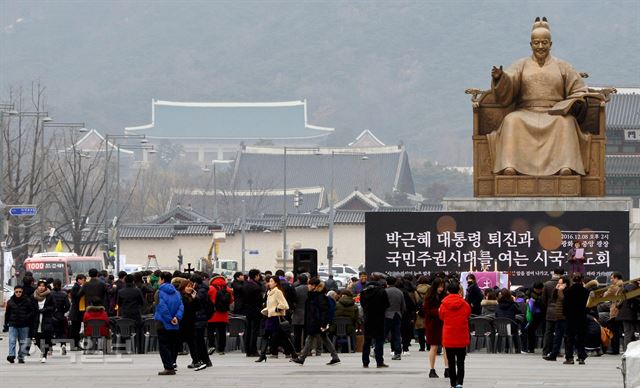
(143, 146)
(332, 210)
(9, 110)
(285, 248)
(215, 183)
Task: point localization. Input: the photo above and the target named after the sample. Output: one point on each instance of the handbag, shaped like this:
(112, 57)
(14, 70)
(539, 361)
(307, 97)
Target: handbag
(285, 326)
(605, 336)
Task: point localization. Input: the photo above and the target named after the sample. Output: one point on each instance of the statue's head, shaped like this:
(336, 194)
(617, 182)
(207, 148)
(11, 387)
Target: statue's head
(541, 39)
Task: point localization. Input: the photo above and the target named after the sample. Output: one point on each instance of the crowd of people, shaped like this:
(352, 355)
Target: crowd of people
(298, 315)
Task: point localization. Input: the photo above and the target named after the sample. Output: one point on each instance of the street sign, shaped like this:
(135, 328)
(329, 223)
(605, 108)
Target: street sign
(254, 252)
(23, 211)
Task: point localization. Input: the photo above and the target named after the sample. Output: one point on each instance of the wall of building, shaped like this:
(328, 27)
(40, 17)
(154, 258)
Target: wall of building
(349, 247)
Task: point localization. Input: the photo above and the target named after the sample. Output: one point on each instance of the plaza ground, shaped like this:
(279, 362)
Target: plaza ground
(235, 370)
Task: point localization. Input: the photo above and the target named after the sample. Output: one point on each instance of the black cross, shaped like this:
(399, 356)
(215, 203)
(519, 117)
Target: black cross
(189, 269)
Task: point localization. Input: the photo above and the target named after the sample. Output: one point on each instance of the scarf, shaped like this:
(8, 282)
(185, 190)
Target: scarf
(41, 296)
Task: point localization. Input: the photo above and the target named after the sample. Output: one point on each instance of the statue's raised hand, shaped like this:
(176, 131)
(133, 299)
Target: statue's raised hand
(496, 73)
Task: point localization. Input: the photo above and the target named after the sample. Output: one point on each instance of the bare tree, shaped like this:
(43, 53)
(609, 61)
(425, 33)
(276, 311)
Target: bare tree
(77, 190)
(25, 182)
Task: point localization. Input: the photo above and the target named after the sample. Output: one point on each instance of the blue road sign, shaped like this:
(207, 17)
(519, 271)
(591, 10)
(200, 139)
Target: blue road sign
(253, 252)
(23, 211)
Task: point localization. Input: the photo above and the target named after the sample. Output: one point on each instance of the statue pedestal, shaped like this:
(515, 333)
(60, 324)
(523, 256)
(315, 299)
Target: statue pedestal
(537, 186)
(538, 204)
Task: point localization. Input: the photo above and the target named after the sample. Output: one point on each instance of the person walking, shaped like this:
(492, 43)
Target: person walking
(61, 306)
(374, 302)
(393, 317)
(275, 331)
(433, 324)
(252, 305)
(420, 293)
(18, 318)
(203, 311)
(297, 317)
(575, 310)
(43, 324)
(222, 298)
(169, 311)
(317, 321)
(455, 313)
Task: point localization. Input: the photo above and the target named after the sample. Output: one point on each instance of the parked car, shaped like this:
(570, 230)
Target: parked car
(342, 273)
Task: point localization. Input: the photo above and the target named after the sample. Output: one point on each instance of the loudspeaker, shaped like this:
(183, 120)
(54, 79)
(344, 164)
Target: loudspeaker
(305, 260)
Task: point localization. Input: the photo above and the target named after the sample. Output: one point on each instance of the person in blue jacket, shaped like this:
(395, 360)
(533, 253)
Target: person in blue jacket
(168, 314)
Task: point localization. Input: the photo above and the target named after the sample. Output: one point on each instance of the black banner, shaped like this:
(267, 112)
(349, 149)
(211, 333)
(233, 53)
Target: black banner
(527, 244)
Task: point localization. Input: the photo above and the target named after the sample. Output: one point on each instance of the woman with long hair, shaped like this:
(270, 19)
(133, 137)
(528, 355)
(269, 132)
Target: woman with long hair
(275, 310)
(45, 307)
(433, 324)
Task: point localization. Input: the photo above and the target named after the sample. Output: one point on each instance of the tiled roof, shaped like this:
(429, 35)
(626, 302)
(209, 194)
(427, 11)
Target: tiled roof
(259, 202)
(164, 231)
(623, 111)
(622, 165)
(180, 214)
(381, 169)
(264, 223)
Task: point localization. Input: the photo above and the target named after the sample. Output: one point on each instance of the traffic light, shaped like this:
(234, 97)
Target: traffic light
(298, 199)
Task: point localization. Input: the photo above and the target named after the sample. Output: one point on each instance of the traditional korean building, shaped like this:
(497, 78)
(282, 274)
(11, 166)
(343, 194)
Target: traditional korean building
(217, 130)
(623, 144)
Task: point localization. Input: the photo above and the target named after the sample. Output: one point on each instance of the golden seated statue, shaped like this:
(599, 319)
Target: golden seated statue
(539, 131)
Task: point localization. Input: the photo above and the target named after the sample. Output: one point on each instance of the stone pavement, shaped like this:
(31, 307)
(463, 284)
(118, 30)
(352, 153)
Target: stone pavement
(235, 370)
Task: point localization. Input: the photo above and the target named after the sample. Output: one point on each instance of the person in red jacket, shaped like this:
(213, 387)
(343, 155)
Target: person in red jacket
(96, 312)
(217, 326)
(455, 313)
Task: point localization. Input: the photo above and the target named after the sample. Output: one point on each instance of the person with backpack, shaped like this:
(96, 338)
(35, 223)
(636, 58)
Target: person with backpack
(222, 298)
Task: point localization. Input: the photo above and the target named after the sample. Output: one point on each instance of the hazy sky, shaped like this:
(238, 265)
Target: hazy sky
(396, 67)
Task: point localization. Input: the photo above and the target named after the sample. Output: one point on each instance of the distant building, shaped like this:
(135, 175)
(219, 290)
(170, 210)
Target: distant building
(622, 163)
(217, 130)
(367, 169)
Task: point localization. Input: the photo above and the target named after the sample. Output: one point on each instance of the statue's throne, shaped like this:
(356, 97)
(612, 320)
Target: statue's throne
(487, 117)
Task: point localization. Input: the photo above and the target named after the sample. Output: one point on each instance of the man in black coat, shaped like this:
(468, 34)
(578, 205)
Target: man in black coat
(62, 305)
(130, 305)
(236, 286)
(76, 313)
(574, 308)
(95, 291)
(252, 305)
(474, 295)
(374, 302)
(18, 319)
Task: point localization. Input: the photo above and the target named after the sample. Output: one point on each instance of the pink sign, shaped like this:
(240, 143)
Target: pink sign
(487, 279)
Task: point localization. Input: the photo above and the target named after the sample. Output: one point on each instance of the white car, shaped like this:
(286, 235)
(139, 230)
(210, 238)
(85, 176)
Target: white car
(341, 273)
